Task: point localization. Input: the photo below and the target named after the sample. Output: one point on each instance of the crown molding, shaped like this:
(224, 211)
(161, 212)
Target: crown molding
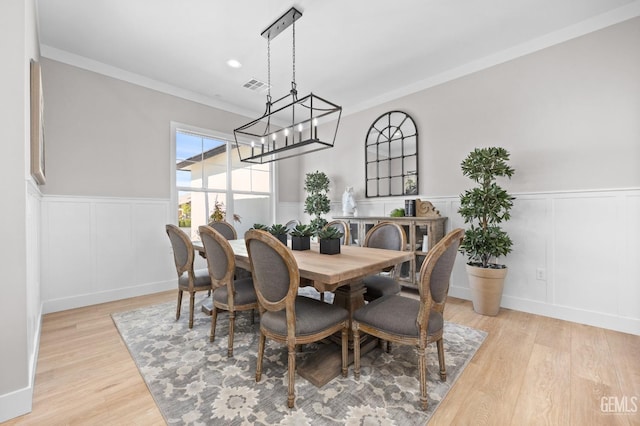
(137, 79)
(616, 16)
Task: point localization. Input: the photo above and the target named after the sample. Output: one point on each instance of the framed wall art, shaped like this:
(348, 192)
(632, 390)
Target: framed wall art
(37, 125)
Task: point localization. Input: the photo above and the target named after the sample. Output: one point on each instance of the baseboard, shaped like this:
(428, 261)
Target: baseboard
(596, 319)
(16, 403)
(79, 301)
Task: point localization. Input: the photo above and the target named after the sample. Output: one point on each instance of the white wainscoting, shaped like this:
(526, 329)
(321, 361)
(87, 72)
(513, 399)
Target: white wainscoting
(96, 250)
(587, 244)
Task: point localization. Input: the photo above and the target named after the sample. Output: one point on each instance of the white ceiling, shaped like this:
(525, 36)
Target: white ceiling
(355, 53)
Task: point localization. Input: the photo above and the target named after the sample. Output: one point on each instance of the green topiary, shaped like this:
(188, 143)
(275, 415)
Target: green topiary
(485, 207)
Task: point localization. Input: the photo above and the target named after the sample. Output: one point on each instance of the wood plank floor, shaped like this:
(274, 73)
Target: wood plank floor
(530, 370)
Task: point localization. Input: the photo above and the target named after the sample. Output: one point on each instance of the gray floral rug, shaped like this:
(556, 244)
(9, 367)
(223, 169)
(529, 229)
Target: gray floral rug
(193, 382)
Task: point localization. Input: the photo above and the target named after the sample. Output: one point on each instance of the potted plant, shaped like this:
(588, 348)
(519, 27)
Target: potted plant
(329, 240)
(260, 227)
(485, 207)
(220, 213)
(317, 202)
(301, 237)
(280, 232)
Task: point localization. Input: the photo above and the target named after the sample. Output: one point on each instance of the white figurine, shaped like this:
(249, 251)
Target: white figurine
(348, 202)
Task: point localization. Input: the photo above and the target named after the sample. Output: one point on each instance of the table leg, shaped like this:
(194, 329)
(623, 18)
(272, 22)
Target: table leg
(326, 363)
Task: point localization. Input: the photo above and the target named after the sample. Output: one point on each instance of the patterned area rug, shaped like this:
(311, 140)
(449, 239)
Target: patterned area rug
(193, 382)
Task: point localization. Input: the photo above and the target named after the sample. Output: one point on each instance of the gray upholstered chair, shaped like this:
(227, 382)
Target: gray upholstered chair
(284, 316)
(343, 227)
(292, 224)
(414, 322)
(390, 236)
(229, 294)
(225, 228)
(188, 279)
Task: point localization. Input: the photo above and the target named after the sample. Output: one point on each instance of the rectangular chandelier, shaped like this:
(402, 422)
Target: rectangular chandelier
(290, 126)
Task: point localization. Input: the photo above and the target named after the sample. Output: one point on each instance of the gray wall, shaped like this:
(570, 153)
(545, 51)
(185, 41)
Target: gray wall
(569, 115)
(107, 137)
(20, 301)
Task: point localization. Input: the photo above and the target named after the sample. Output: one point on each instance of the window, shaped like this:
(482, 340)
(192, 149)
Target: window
(203, 181)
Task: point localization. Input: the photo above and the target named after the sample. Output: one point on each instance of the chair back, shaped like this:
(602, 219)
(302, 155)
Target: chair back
(225, 228)
(220, 258)
(386, 235)
(343, 227)
(275, 271)
(435, 272)
(292, 224)
(182, 249)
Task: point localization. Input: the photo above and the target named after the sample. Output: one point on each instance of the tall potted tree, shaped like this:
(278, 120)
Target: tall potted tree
(485, 207)
(316, 185)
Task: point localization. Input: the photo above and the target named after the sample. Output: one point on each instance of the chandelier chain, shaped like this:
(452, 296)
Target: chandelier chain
(294, 53)
(269, 70)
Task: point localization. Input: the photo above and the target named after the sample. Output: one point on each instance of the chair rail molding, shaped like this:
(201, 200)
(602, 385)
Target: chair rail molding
(569, 248)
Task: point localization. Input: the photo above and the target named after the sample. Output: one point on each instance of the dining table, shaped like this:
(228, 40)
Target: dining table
(341, 274)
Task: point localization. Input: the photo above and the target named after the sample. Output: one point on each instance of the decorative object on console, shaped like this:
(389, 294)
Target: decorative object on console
(485, 207)
(426, 209)
(410, 208)
(291, 129)
(391, 156)
(348, 202)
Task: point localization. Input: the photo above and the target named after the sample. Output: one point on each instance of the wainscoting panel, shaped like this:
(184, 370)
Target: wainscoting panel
(101, 249)
(575, 254)
(629, 223)
(586, 253)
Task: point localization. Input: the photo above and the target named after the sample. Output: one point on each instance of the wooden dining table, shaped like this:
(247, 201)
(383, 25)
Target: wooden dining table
(341, 274)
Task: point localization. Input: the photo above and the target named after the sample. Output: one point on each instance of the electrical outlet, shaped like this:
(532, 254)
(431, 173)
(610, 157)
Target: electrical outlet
(541, 274)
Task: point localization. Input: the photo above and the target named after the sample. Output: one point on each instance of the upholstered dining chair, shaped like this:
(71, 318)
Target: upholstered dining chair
(390, 236)
(188, 279)
(414, 322)
(229, 294)
(225, 228)
(343, 227)
(292, 224)
(284, 316)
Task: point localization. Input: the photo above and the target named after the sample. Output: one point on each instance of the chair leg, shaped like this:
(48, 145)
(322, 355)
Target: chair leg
(291, 397)
(232, 322)
(345, 349)
(214, 320)
(443, 367)
(253, 316)
(422, 372)
(356, 350)
(260, 354)
(322, 296)
(192, 302)
(179, 304)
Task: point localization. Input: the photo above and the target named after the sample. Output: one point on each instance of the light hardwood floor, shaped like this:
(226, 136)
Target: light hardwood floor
(530, 370)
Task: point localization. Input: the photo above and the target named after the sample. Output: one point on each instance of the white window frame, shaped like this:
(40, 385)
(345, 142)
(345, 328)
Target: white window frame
(229, 139)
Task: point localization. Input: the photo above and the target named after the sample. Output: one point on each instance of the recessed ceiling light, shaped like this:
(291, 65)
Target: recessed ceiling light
(233, 63)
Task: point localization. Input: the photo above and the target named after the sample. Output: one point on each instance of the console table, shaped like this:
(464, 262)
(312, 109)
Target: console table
(422, 234)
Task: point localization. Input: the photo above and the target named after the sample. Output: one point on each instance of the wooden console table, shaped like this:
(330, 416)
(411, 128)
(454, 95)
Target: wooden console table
(417, 229)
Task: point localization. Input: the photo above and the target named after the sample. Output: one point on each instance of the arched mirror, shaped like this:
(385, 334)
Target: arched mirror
(391, 156)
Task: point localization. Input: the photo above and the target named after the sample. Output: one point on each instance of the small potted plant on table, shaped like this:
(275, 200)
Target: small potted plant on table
(329, 240)
(301, 237)
(280, 232)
